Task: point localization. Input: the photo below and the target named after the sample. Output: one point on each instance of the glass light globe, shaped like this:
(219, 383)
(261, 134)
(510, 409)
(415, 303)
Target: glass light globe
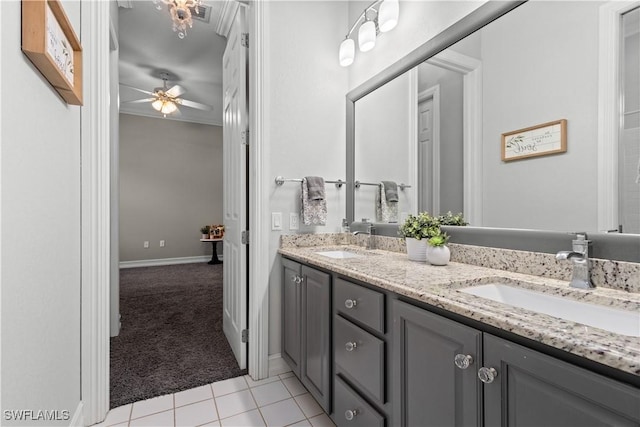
(157, 104)
(388, 15)
(347, 52)
(367, 36)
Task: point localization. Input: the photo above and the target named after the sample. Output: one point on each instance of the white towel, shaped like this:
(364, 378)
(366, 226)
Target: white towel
(385, 211)
(313, 212)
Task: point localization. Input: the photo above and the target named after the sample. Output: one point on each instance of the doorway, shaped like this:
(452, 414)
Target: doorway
(176, 137)
(96, 259)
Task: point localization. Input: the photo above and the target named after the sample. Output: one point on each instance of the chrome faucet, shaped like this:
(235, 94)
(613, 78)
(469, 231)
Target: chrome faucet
(579, 256)
(370, 231)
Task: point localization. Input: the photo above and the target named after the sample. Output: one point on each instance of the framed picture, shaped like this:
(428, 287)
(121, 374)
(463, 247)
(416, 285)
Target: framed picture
(539, 140)
(50, 43)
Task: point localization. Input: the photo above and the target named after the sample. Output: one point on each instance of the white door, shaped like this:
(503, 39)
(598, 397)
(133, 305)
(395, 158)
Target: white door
(425, 156)
(235, 125)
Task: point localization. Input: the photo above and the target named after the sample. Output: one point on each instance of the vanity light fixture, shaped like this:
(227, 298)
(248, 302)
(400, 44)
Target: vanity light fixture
(374, 21)
(181, 15)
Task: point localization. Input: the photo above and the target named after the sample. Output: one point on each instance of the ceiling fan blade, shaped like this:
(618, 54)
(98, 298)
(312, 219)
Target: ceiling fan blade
(175, 91)
(139, 90)
(139, 101)
(194, 104)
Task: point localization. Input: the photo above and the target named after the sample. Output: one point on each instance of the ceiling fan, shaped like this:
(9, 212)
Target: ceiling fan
(165, 99)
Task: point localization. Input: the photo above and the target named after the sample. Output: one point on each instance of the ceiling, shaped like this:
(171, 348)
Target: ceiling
(148, 45)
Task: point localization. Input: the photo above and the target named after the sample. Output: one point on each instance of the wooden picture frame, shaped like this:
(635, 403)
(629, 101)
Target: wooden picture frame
(540, 140)
(48, 40)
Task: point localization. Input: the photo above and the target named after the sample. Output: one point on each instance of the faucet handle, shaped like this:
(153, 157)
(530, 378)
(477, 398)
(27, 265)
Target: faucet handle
(581, 244)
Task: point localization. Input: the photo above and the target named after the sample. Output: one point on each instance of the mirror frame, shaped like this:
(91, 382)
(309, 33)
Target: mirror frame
(469, 24)
(621, 247)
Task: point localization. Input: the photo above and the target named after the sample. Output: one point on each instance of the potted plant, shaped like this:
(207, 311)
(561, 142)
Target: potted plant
(437, 251)
(416, 229)
(451, 219)
(205, 232)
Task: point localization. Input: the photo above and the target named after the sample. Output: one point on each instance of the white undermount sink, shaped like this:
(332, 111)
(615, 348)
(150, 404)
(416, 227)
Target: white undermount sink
(622, 322)
(339, 254)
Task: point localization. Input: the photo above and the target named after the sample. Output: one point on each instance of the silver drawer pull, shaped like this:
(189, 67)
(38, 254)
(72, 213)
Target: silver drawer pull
(463, 361)
(350, 346)
(298, 280)
(293, 279)
(350, 414)
(487, 375)
(350, 303)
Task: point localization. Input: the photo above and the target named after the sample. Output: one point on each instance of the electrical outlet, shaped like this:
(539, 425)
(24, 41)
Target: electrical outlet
(146, 244)
(276, 220)
(162, 243)
(294, 221)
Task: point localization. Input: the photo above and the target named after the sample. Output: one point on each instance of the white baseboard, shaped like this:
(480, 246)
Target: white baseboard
(78, 419)
(166, 261)
(277, 365)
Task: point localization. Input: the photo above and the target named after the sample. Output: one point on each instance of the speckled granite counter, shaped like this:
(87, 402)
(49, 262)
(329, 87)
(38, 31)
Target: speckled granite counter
(438, 286)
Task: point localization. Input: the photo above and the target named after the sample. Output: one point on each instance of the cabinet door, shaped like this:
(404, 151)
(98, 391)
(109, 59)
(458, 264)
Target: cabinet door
(291, 313)
(534, 389)
(428, 388)
(316, 327)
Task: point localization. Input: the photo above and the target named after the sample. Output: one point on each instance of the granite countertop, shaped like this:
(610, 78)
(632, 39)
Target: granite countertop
(438, 286)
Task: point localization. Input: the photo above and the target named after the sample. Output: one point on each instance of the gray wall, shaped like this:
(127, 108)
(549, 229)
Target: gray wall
(537, 70)
(170, 186)
(40, 196)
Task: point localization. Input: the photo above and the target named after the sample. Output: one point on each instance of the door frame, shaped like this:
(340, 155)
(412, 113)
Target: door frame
(471, 69)
(96, 215)
(259, 182)
(609, 111)
(432, 93)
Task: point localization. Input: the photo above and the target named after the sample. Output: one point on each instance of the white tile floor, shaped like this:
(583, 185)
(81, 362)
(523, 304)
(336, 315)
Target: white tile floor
(280, 400)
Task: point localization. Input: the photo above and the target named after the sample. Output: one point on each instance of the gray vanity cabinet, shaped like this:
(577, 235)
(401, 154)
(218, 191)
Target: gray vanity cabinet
(534, 389)
(435, 365)
(360, 355)
(306, 327)
(291, 304)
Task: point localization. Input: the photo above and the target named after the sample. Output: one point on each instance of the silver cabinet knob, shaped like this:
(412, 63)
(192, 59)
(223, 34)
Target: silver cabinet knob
(293, 279)
(298, 279)
(463, 361)
(350, 303)
(487, 375)
(350, 414)
(350, 346)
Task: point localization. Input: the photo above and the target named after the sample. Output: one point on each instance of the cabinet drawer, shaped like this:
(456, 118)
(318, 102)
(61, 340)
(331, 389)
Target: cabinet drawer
(366, 305)
(360, 355)
(362, 414)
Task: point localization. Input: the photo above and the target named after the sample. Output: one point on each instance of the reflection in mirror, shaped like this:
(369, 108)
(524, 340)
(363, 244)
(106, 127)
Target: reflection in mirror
(629, 150)
(382, 151)
(536, 64)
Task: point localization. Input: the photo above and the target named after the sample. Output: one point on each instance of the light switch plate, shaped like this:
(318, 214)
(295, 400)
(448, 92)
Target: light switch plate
(294, 221)
(276, 221)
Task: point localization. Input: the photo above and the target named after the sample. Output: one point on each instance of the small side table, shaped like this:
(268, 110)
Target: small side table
(214, 256)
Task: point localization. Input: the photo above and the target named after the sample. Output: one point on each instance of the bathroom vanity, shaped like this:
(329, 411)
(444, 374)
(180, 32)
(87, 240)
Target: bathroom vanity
(385, 341)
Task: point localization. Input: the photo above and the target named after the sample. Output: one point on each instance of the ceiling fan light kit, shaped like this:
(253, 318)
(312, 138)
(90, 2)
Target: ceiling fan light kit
(166, 100)
(180, 11)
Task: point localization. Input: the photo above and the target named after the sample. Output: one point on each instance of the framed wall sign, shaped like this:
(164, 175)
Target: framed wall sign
(539, 140)
(50, 43)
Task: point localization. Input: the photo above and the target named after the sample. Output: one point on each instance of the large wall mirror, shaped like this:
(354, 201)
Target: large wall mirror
(435, 120)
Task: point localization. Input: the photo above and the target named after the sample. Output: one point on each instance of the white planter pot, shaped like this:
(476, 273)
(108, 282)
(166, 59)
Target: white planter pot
(205, 236)
(439, 255)
(416, 249)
